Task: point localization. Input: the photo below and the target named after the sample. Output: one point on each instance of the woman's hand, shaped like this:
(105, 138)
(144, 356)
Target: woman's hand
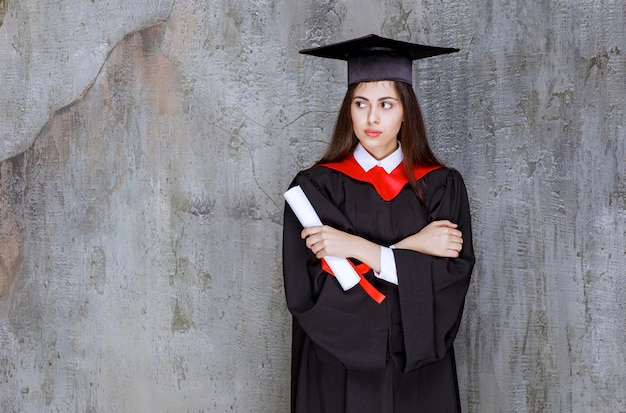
(439, 239)
(327, 241)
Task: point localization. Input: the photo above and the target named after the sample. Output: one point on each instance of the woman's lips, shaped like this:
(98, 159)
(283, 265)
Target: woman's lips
(373, 132)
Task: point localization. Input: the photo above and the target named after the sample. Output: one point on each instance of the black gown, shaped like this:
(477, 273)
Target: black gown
(350, 354)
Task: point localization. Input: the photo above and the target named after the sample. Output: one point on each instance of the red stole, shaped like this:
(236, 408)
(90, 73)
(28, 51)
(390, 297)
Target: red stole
(387, 185)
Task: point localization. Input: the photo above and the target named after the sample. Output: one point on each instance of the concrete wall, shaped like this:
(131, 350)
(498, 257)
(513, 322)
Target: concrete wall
(145, 147)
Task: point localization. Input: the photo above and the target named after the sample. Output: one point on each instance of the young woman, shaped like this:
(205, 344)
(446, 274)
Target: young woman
(402, 218)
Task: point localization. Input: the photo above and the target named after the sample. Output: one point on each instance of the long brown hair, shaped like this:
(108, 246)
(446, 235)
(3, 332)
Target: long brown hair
(412, 135)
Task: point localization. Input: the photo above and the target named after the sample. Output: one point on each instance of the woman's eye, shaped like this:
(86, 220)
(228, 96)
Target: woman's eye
(360, 104)
(386, 105)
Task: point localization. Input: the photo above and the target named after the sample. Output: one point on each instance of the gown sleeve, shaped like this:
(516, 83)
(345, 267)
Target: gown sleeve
(432, 289)
(348, 325)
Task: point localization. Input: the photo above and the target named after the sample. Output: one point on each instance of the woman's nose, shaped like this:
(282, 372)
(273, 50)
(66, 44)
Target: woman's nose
(372, 116)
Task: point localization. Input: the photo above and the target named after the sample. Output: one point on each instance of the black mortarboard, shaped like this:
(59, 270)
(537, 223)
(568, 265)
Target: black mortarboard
(372, 57)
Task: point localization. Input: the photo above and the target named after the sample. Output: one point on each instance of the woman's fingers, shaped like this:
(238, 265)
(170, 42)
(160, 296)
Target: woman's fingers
(438, 239)
(316, 238)
(445, 239)
(325, 240)
(306, 232)
(444, 223)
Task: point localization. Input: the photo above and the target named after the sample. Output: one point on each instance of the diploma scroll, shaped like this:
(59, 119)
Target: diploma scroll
(301, 206)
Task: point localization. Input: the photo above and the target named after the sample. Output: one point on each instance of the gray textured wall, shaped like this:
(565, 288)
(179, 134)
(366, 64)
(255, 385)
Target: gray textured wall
(145, 147)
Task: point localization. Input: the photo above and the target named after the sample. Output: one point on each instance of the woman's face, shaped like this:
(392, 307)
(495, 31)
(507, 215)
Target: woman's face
(377, 115)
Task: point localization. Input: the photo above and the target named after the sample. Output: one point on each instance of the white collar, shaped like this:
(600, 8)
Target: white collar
(367, 161)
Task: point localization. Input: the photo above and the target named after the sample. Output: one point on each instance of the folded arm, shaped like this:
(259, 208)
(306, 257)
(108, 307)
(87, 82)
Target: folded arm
(437, 239)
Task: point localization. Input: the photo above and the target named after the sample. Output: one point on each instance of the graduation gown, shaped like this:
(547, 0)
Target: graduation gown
(351, 354)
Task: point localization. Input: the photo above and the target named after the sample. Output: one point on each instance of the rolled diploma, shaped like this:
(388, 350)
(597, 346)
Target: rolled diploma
(301, 206)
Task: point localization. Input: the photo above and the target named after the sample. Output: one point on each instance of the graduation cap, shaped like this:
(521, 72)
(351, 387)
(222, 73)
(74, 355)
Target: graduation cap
(372, 57)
